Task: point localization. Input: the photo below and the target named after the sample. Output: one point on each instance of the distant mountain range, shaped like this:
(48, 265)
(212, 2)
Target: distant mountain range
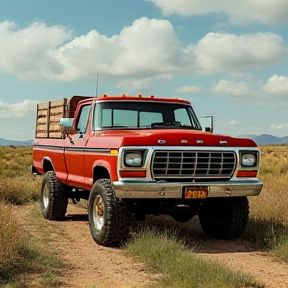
(5, 142)
(264, 139)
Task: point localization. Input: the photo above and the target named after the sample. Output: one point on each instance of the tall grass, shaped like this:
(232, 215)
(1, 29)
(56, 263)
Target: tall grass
(21, 257)
(17, 184)
(176, 267)
(268, 224)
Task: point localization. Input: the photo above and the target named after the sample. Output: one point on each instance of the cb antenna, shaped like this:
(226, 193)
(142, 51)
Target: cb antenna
(96, 89)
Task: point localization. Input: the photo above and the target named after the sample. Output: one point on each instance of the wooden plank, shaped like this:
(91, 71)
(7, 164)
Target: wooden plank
(54, 127)
(42, 120)
(40, 129)
(57, 110)
(55, 119)
(42, 113)
(55, 135)
(48, 119)
(41, 134)
(41, 106)
(56, 103)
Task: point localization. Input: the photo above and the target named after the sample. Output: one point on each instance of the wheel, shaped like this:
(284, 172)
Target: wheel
(54, 198)
(109, 219)
(225, 218)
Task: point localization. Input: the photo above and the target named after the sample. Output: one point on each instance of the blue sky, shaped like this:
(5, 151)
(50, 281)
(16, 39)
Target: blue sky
(229, 60)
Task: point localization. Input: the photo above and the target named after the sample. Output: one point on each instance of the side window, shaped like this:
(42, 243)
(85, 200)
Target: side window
(181, 115)
(83, 119)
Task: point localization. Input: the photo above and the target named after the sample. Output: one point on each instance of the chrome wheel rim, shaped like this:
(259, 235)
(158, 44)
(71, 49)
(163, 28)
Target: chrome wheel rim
(98, 212)
(46, 196)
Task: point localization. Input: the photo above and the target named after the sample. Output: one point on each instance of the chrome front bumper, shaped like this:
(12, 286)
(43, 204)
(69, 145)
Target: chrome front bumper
(146, 190)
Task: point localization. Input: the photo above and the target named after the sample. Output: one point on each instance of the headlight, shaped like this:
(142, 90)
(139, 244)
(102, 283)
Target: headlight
(133, 159)
(248, 160)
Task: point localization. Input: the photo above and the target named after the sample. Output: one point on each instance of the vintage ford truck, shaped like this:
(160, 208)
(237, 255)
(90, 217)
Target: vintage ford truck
(132, 156)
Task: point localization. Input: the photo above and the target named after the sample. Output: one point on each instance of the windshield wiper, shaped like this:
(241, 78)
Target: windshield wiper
(166, 124)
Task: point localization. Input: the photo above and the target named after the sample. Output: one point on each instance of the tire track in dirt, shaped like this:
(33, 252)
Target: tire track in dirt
(236, 254)
(88, 265)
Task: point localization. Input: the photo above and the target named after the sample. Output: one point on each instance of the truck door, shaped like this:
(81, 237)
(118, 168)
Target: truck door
(75, 149)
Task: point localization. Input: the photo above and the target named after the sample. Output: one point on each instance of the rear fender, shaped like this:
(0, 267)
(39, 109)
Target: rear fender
(47, 165)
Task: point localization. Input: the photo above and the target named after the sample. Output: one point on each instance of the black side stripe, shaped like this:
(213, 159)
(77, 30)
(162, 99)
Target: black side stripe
(73, 149)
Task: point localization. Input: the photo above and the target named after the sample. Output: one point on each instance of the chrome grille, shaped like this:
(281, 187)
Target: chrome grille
(193, 164)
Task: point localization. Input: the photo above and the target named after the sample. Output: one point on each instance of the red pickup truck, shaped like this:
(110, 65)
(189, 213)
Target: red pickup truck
(132, 156)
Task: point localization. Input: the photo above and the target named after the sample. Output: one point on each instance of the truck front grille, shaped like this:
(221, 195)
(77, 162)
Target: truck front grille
(193, 165)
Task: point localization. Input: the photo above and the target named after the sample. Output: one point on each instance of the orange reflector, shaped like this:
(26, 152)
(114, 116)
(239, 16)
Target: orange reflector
(126, 174)
(114, 152)
(243, 173)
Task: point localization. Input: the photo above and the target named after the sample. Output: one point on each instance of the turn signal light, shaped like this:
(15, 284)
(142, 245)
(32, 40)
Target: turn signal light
(243, 173)
(132, 174)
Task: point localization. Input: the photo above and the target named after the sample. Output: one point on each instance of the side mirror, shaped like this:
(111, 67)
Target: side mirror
(209, 129)
(66, 126)
(209, 125)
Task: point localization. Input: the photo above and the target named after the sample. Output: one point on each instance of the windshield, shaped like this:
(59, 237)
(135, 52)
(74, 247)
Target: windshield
(135, 115)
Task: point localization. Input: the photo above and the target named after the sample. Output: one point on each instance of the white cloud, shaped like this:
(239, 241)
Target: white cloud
(27, 52)
(279, 126)
(234, 123)
(133, 84)
(148, 50)
(268, 12)
(231, 88)
(17, 110)
(228, 52)
(189, 89)
(276, 85)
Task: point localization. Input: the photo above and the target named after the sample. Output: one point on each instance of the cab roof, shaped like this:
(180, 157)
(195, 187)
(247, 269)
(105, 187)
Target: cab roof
(139, 97)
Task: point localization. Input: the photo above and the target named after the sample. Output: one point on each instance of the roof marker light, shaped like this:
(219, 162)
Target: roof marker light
(152, 96)
(139, 95)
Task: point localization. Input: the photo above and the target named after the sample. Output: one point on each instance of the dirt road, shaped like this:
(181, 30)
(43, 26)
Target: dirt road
(89, 265)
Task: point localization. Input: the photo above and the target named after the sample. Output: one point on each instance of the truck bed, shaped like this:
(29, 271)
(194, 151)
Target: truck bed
(49, 114)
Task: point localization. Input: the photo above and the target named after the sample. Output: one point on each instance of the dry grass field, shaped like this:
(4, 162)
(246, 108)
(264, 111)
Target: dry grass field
(268, 224)
(267, 227)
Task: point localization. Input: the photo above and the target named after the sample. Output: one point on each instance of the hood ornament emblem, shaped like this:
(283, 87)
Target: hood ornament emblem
(161, 141)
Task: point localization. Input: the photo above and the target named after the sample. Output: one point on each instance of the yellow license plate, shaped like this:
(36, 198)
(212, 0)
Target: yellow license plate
(195, 192)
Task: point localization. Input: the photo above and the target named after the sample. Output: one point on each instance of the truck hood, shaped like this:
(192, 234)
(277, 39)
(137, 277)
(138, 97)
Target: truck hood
(169, 137)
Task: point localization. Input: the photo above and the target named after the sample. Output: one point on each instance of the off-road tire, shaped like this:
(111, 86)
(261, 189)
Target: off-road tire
(54, 198)
(225, 218)
(109, 219)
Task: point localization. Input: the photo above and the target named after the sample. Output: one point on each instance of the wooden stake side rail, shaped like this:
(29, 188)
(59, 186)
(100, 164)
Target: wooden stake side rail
(48, 118)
